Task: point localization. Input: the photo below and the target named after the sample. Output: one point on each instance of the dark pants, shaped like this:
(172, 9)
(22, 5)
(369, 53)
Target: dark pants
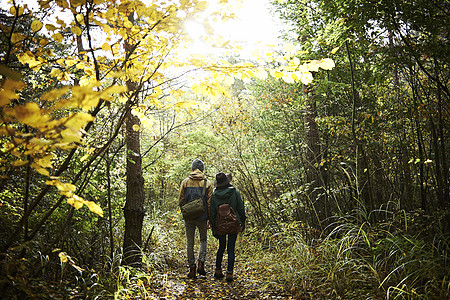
(230, 250)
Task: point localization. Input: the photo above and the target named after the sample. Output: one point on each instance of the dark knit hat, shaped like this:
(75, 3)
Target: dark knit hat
(197, 164)
(222, 179)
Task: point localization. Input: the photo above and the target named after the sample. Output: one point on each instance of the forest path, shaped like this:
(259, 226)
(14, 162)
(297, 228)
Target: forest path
(247, 284)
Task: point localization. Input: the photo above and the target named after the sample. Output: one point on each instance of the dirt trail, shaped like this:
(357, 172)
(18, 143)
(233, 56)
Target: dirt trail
(246, 285)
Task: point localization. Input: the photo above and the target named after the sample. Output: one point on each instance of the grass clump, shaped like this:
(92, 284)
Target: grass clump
(403, 257)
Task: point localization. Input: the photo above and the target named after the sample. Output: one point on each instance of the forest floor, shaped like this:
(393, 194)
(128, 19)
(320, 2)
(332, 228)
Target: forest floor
(247, 284)
(163, 275)
(253, 279)
(170, 283)
(256, 273)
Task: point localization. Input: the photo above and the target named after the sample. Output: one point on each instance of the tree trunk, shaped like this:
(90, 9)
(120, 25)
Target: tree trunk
(110, 221)
(420, 144)
(134, 203)
(364, 188)
(313, 159)
(442, 138)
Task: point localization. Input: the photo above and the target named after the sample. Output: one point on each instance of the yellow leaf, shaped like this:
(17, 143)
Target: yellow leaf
(45, 162)
(26, 58)
(106, 47)
(326, 64)
(40, 169)
(19, 163)
(70, 62)
(95, 208)
(39, 142)
(76, 201)
(78, 120)
(29, 114)
(68, 136)
(80, 18)
(89, 72)
(287, 77)
(202, 5)
(334, 50)
(80, 65)
(7, 92)
(115, 89)
(43, 42)
(277, 74)
(63, 187)
(136, 127)
(36, 25)
(296, 75)
(313, 66)
(55, 72)
(89, 101)
(17, 37)
(54, 95)
(50, 27)
(76, 30)
(127, 24)
(295, 61)
(63, 257)
(57, 37)
(64, 146)
(3, 100)
(64, 3)
(307, 78)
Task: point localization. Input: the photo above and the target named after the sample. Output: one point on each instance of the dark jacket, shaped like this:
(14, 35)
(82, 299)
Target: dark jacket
(191, 188)
(228, 195)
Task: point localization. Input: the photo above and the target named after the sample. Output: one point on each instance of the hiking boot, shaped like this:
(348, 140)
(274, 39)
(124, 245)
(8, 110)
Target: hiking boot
(229, 277)
(218, 273)
(192, 273)
(201, 268)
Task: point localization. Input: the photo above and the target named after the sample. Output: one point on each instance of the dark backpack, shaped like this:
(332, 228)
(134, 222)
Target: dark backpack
(227, 221)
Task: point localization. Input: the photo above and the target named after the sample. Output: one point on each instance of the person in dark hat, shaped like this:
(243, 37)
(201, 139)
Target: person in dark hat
(225, 193)
(191, 188)
(229, 176)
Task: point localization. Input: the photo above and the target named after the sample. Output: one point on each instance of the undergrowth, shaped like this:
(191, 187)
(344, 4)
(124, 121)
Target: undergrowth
(403, 257)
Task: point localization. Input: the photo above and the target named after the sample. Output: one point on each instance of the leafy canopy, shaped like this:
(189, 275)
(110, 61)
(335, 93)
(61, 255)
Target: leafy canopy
(116, 42)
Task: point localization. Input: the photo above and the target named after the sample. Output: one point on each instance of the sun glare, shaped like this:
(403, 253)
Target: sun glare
(197, 35)
(195, 30)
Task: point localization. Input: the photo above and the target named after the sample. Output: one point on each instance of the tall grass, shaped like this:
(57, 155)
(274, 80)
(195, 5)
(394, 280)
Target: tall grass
(400, 258)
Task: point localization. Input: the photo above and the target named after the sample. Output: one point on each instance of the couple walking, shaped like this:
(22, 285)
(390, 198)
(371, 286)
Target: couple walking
(224, 193)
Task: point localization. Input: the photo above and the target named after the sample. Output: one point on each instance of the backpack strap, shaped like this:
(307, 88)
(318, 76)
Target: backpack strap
(204, 189)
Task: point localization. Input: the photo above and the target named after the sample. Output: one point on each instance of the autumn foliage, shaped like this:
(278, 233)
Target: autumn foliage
(337, 140)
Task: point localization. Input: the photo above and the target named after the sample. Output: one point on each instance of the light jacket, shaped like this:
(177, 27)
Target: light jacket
(191, 188)
(228, 195)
